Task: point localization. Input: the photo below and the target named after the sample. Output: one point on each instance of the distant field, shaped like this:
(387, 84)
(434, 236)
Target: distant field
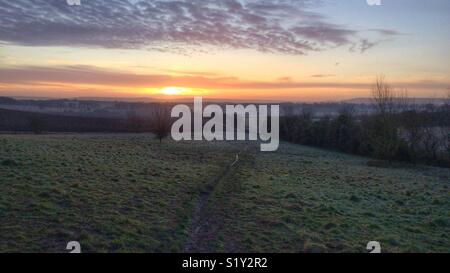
(129, 193)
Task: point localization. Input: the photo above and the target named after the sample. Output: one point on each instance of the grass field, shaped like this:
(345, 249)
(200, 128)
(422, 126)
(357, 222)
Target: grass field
(129, 193)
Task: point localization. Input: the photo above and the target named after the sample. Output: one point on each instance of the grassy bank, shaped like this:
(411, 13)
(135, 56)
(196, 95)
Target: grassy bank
(122, 193)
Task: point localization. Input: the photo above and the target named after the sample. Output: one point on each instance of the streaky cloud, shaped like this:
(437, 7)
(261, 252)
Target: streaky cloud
(91, 75)
(182, 26)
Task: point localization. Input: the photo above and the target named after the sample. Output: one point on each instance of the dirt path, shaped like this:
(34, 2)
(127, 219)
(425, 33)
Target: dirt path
(204, 225)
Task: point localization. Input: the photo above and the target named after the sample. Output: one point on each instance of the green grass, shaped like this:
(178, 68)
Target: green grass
(128, 193)
(304, 199)
(111, 193)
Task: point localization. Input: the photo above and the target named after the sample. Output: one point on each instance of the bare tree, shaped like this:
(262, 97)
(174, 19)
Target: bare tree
(382, 95)
(161, 121)
(432, 142)
(402, 102)
(387, 99)
(384, 136)
(412, 129)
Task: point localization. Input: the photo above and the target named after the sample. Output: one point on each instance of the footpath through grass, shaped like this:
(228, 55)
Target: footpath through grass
(128, 193)
(113, 193)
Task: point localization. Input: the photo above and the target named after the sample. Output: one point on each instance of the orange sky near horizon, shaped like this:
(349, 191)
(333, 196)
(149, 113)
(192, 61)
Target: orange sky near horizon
(336, 54)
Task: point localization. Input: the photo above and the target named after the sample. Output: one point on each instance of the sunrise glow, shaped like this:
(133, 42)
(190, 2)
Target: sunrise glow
(276, 51)
(173, 91)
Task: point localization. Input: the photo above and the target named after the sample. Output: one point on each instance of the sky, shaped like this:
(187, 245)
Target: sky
(277, 50)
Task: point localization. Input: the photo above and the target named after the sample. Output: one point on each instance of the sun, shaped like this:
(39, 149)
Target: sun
(173, 91)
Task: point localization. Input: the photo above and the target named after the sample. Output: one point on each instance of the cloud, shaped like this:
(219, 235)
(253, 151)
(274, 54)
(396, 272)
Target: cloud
(277, 26)
(285, 79)
(189, 72)
(322, 75)
(387, 32)
(94, 76)
(366, 45)
(382, 35)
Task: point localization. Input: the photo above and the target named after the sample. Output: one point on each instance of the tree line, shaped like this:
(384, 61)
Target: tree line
(397, 130)
(21, 121)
